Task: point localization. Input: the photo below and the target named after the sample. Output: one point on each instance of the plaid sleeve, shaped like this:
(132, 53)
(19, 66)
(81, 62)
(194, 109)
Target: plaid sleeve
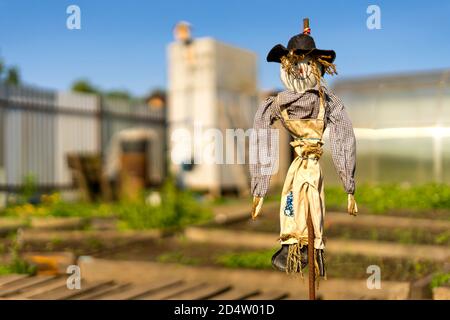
(342, 141)
(263, 148)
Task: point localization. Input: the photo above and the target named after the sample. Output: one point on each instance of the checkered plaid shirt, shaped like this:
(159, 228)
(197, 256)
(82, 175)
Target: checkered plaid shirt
(303, 106)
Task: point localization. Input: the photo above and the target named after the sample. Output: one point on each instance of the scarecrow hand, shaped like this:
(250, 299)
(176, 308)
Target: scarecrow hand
(352, 208)
(256, 207)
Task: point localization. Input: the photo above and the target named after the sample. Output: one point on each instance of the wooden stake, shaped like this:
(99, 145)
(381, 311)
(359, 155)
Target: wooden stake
(306, 29)
(311, 260)
(305, 23)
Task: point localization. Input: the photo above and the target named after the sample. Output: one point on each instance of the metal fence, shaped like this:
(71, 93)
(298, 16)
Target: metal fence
(38, 128)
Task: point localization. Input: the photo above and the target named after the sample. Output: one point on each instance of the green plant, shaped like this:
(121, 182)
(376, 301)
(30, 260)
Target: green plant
(177, 209)
(29, 189)
(440, 279)
(443, 238)
(17, 264)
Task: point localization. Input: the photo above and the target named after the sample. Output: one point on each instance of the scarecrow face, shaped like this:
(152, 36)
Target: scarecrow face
(299, 75)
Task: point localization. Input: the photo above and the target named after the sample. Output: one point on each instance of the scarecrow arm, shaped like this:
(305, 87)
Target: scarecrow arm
(343, 148)
(352, 208)
(263, 153)
(256, 206)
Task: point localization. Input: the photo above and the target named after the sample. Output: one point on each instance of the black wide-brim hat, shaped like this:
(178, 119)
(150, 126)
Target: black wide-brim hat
(300, 44)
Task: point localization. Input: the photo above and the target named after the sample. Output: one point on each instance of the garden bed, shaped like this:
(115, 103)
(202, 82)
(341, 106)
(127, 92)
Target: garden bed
(180, 251)
(430, 201)
(432, 235)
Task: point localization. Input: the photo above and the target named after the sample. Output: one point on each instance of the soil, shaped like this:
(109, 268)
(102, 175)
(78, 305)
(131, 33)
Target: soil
(176, 249)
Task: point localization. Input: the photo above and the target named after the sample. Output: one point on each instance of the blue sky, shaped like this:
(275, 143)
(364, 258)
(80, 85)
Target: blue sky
(122, 44)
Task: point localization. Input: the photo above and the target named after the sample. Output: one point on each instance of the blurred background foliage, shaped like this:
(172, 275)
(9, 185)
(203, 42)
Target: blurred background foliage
(9, 74)
(176, 208)
(440, 279)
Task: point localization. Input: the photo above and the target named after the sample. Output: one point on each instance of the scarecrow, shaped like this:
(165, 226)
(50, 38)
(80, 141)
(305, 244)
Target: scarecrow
(305, 109)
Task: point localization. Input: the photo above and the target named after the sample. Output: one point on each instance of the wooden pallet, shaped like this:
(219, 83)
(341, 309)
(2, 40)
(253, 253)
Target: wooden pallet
(20, 287)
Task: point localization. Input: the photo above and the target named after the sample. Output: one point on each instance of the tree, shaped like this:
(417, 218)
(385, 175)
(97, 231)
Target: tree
(9, 75)
(2, 68)
(119, 94)
(84, 86)
(12, 76)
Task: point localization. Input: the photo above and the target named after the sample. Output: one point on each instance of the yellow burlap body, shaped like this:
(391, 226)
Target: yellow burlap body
(306, 184)
(304, 179)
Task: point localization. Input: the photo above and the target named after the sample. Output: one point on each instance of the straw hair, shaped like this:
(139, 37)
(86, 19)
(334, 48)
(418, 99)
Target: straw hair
(290, 61)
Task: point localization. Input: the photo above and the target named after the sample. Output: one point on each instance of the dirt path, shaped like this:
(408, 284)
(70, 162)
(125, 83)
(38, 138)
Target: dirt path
(96, 270)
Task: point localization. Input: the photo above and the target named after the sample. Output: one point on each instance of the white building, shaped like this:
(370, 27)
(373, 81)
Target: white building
(212, 85)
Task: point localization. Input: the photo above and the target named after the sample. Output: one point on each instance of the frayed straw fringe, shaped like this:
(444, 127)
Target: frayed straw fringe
(294, 262)
(316, 269)
(294, 258)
